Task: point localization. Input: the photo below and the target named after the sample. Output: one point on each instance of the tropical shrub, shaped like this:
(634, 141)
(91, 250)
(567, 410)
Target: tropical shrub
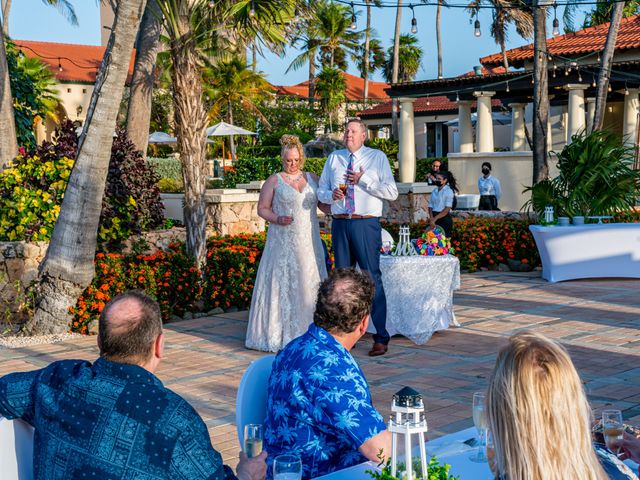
(168, 276)
(388, 146)
(247, 170)
(169, 185)
(423, 166)
(169, 167)
(596, 177)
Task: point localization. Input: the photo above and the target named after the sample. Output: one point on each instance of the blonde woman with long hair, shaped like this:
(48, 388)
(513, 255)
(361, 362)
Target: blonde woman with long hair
(539, 416)
(293, 262)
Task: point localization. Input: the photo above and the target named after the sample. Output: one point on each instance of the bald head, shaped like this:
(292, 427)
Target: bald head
(129, 326)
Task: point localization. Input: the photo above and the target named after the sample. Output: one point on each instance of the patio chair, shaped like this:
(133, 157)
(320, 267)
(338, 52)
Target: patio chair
(251, 401)
(16, 450)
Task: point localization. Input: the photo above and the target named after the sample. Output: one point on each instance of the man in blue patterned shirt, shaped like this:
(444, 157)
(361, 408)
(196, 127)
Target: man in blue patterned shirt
(319, 405)
(114, 419)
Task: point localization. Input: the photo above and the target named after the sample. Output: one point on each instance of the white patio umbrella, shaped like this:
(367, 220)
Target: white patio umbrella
(228, 130)
(162, 137)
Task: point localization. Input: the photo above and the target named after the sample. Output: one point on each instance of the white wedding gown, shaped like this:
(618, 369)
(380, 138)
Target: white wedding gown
(290, 271)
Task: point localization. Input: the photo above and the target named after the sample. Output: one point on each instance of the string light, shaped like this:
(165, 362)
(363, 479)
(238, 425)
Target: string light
(457, 97)
(354, 24)
(212, 3)
(252, 10)
(414, 22)
(609, 88)
(507, 89)
(59, 65)
(428, 102)
(556, 23)
(579, 76)
(626, 90)
(593, 84)
(476, 26)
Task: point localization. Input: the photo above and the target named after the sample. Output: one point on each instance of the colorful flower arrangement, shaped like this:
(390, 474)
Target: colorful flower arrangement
(433, 242)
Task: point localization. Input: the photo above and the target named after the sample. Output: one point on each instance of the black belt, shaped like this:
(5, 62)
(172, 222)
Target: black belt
(343, 216)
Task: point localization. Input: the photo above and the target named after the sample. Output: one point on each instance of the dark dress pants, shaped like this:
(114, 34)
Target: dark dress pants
(358, 240)
(488, 202)
(446, 223)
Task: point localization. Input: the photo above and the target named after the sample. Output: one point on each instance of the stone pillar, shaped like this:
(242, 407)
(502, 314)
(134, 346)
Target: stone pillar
(464, 126)
(591, 112)
(484, 125)
(407, 147)
(518, 138)
(630, 117)
(549, 134)
(576, 120)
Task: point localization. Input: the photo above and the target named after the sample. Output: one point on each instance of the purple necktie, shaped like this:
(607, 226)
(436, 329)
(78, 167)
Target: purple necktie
(350, 201)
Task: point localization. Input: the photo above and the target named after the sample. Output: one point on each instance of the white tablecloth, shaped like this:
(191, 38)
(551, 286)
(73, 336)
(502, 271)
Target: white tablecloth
(449, 449)
(419, 294)
(588, 251)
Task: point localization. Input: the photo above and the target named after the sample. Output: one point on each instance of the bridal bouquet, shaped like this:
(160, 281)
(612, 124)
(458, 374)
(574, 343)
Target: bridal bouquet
(433, 242)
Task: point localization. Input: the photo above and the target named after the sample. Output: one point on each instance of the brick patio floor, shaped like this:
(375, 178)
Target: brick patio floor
(598, 321)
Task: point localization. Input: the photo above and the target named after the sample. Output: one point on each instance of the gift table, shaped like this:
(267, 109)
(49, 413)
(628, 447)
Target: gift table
(419, 291)
(588, 251)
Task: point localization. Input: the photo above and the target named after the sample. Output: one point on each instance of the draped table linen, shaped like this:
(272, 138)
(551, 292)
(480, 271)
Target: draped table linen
(419, 293)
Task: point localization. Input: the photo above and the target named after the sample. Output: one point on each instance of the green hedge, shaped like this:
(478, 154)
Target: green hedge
(167, 167)
(423, 166)
(247, 170)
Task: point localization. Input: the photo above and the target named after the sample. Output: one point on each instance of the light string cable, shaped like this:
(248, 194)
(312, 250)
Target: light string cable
(60, 57)
(427, 3)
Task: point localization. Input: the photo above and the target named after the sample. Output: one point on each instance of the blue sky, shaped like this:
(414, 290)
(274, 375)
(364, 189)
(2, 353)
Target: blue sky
(31, 20)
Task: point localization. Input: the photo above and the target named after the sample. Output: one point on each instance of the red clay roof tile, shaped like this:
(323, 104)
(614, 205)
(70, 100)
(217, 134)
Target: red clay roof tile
(354, 91)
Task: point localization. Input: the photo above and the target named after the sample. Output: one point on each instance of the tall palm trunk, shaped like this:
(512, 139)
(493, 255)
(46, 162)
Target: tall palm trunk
(365, 65)
(191, 124)
(394, 70)
(254, 57)
(8, 139)
(540, 94)
(605, 66)
(232, 144)
(438, 38)
(6, 8)
(312, 77)
(68, 266)
(505, 59)
(139, 114)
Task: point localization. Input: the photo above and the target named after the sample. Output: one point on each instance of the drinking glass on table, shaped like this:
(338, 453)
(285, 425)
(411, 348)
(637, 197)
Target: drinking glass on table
(287, 467)
(253, 439)
(480, 422)
(612, 429)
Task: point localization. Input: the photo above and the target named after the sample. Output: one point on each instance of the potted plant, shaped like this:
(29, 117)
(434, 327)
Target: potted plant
(435, 471)
(172, 195)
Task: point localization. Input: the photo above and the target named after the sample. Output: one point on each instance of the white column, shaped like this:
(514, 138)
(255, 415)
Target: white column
(630, 118)
(518, 138)
(549, 134)
(407, 147)
(591, 112)
(576, 120)
(484, 125)
(464, 126)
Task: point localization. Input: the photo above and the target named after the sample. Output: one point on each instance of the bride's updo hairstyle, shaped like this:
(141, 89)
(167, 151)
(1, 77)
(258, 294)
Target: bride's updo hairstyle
(290, 142)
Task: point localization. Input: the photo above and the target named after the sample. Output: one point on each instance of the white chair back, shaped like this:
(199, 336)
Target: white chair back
(251, 401)
(16, 450)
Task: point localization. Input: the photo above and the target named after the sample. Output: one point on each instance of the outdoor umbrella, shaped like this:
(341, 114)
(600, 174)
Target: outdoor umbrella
(162, 137)
(228, 130)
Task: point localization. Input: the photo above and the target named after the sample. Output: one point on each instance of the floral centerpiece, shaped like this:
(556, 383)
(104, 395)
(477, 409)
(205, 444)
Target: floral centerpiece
(433, 242)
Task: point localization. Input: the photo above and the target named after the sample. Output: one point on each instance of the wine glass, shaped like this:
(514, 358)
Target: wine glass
(287, 467)
(288, 212)
(253, 439)
(480, 422)
(613, 429)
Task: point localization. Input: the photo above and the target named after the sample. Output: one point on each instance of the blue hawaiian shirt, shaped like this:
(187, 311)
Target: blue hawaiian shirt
(109, 421)
(319, 405)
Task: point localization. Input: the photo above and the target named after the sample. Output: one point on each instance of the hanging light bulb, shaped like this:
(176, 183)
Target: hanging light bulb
(593, 84)
(507, 89)
(59, 66)
(212, 3)
(428, 102)
(476, 26)
(457, 97)
(414, 22)
(556, 22)
(598, 57)
(252, 11)
(566, 72)
(579, 76)
(626, 90)
(609, 88)
(354, 24)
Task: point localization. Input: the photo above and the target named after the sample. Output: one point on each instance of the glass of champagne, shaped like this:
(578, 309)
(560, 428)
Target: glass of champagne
(253, 439)
(480, 422)
(288, 212)
(613, 429)
(287, 467)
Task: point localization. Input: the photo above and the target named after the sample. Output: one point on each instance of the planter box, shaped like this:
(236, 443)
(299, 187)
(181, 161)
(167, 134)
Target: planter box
(173, 206)
(588, 251)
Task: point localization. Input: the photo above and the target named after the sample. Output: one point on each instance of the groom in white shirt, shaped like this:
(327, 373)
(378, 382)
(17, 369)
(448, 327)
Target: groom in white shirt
(354, 182)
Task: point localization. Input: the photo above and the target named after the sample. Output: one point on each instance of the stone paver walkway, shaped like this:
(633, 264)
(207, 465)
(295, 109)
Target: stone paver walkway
(598, 321)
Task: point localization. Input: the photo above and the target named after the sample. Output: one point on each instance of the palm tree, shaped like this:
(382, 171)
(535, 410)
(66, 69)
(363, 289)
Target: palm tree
(540, 94)
(336, 37)
(8, 141)
(603, 10)
(63, 6)
(197, 31)
(376, 58)
(331, 86)
(505, 13)
(230, 82)
(142, 82)
(409, 60)
(308, 42)
(438, 38)
(68, 266)
(395, 62)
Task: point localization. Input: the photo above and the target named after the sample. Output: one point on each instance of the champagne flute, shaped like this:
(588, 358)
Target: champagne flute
(480, 422)
(253, 439)
(288, 212)
(287, 467)
(613, 429)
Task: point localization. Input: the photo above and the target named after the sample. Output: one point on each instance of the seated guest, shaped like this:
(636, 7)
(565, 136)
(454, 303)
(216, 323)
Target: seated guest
(319, 406)
(539, 416)
(114, 419)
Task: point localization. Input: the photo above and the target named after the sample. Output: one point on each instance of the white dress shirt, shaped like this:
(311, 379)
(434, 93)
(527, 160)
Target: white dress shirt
(441, 199)
(489, 186)
(376, 183)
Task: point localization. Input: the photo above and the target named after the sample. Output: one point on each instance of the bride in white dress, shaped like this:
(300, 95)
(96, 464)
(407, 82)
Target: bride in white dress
(293, 263)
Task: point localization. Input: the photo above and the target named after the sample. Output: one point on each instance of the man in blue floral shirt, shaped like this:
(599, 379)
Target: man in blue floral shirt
(114, 420)
(319, 406)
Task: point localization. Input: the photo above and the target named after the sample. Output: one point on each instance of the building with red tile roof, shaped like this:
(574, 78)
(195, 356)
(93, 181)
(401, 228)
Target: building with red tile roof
(354, 91)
